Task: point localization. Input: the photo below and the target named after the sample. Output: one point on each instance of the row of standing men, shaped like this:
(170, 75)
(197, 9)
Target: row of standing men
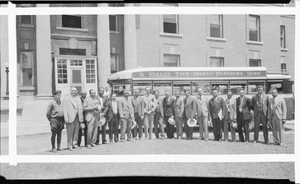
(80, 112)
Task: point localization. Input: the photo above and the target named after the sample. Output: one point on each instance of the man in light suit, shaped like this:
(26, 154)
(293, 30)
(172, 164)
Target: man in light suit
(102, 99)
(168, 108)
(178, 110)
(159, 116)
(203, 114)
(277, 116)
(230, 116)
(217, 113)
(126, 115)
(72, 109)
(260, 105)
(189, 106)
(243, 108)
(149, 111)
(113, 117)
(138, 110)
(92, 116)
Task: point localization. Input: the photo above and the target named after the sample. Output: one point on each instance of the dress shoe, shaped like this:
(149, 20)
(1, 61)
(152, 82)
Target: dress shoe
(220, 140)
(206, 140)
(59, 149)
(92, 145)
(88, 147)
(254, 142)
(70, 149)
(54, 150)
(267, 142)
(226, 140)
(246, 142)
(75, 146)
(179, 137)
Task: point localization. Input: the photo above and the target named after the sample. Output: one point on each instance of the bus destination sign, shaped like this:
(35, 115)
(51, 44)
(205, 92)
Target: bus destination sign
(200, 74)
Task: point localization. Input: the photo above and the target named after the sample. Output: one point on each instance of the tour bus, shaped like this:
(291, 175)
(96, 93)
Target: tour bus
(223, 79)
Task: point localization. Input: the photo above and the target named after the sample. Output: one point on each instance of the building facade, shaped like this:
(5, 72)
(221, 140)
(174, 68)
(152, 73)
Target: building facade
(60, 51)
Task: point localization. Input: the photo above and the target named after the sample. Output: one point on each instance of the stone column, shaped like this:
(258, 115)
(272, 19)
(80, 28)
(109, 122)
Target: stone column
(43, 54)
(3, 51)
(103, 47)
(130, 45)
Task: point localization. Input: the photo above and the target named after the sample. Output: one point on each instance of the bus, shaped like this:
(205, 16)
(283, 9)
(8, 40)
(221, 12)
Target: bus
(224, 79)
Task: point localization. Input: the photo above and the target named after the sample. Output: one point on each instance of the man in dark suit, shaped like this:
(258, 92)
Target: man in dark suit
(168, 105)
(102, 100)
(113, 118)
(217, 113)
(189, 106)
(83, 124)
(243, 108)
(138, 110)
(158, 116)
(126, 115)
(178, 110)
(260, 105)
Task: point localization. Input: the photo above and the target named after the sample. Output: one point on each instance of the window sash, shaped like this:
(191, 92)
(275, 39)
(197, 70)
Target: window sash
(68, 25)
(26, 19)
(254, 28)
(27, 68)
(171, 60)
(282, 37)
(113, 23)
(216, 61)
(170, 24)
(254, 62)
(114, 62)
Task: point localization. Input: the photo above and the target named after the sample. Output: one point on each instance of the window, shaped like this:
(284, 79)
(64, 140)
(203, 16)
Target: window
(26, 19)
(275, 84)
(216, 26)
(114, 63)
(72, 21)
(254, 28)
(181, 86)
(252, 86)
(141, 86)
(235, 86)
(62, 72)
(90, 71)
(162, 86)
(216, 61)
(254, 62)
(171, 60)
(221, 86)
(120, 87)
(205, 85)
(27, 68)
(283, 67)
(170, 24)
(113, 23)
(74, 62)
(282, 37)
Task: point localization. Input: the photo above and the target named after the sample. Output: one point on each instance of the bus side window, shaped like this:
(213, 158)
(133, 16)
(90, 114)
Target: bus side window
(221, 86)
(277, 85)
(252, 86)
(235, 86)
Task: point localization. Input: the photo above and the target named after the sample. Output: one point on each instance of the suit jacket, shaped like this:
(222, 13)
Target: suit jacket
(264, 101)
(278, 107)
(159, 105)
(168, 106)
(69, 106)
(125, 108)
(149, 103)
(104, 107)
(137, 105)
(202, 106)
(178, 106)
(88, 106)
(215, 107)
(246, 107)
(189, 108)
(230, 106)
(110, 112)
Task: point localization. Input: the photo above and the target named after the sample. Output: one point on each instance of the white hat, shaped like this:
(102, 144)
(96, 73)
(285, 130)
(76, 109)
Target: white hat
(133, 124)
(234, 125)
(191, 122)
(171, 120)
(102, 121)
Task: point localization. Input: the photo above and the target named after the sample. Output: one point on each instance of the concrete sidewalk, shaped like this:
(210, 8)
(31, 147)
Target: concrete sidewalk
(43, 127)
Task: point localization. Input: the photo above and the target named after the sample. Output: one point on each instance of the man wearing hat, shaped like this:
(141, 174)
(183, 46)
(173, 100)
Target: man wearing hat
(138, 110)
(113, 118)
(72, 109)
(189, 107)
(126, 115)
(203, 114)
(159, 116)
(168, 105)
(217, 113)
(230, 116)
(102, 99)
(178, 110)
(55, 116)
(92, 116)
(83, 126)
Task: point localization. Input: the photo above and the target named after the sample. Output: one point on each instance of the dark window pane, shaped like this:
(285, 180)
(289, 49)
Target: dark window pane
(215, 31)
(170, 27)
(255, 62)
(113, 23)
(71, 21)
(27, 77)
(26, 19)
(253, 35)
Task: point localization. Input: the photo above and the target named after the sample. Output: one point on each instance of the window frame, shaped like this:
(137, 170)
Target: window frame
(220, 17)
(32, 67)
(255, 60)
(117, 64)
(177, 58)
(177, 25)
(117, 24)
(283, 37)
(258, 27)
(222, 61)
(82, 23)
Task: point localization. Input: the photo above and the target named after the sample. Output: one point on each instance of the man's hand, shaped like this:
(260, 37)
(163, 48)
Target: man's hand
(283, 121)
(142, 117)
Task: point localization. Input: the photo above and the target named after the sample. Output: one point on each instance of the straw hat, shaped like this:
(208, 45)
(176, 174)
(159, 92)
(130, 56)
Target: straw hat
(191, 122)
(133, 124)
(171, 120)
(102, 121)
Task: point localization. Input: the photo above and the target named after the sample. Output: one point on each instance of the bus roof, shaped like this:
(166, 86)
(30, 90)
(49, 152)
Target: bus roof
(195, 73)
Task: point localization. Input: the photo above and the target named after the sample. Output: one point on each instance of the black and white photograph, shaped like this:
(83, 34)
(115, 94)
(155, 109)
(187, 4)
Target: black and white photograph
(151, 84)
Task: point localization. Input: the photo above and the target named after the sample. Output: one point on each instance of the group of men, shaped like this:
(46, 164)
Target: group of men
(137, 116)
